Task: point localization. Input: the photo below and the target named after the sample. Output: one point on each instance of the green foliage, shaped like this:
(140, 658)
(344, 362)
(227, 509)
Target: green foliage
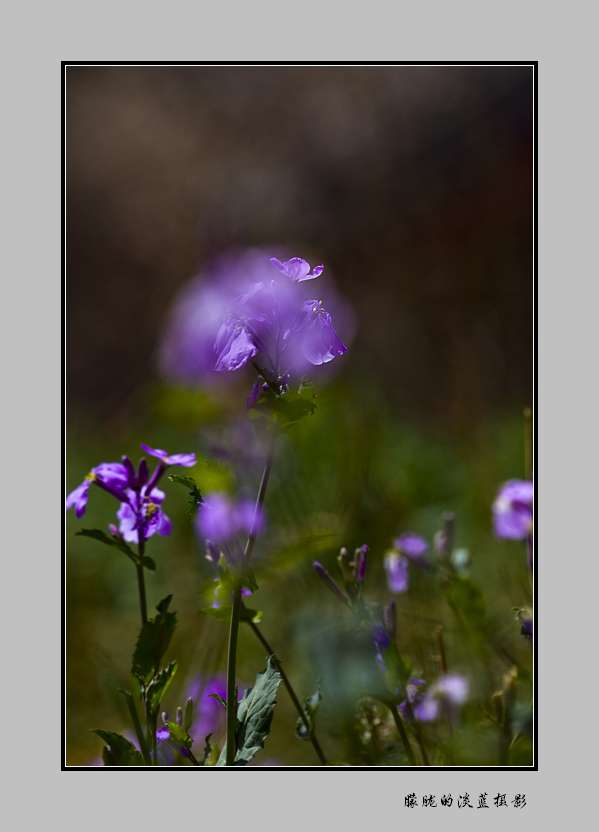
(254, 715)
(118, 751)
(196, 497)
(178, 735)
(113, 542)
(469, 604)
(153, 642)
(310, 707)
(224, 613)
(158, 687)
(283, 411)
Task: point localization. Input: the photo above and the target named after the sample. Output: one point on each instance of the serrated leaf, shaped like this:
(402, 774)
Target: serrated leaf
(158, 687)
(153, 641)
(468, 602)
(224, 613)
(113, 542)
(310, 707)
(118, 751)
(196, 496)
(254, 713)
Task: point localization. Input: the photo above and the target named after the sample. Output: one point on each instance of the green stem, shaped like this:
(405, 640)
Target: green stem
(231, 662)
(402, 732)
(138, 729)
(291, 692)
(236, 610)
(141, 583)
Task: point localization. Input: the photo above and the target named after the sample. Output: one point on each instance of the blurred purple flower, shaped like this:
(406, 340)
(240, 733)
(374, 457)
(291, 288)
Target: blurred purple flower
(209, 716)
(142, 513)
(319, 341)
(110, 476)
(186, 351)
(396, 567)
(512, 510)
(296, 269)
(444, 696)
(380, 635)
(413, 698)
(413, 547)
(220, 519)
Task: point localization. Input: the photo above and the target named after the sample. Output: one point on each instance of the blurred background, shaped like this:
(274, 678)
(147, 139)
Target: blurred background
(413, 185)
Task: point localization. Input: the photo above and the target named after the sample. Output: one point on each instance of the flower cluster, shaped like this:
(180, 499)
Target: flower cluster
(140, 515)
(274, 328)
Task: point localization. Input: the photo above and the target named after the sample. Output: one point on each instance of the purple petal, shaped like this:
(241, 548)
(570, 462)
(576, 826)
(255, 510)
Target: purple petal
(164, 525)
(427, 710)
(411, 545)
(78, 498)
(396, 567)
(238, 350)
(187, 460)
(157, 452)
(255, 392)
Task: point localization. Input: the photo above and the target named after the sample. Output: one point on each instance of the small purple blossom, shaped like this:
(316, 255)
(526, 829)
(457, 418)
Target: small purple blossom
(220, 519)
(413, 547)
(396, 567)
(412, 700)
(444, 696)
(110, 476)
(512, 510)
(296, 269)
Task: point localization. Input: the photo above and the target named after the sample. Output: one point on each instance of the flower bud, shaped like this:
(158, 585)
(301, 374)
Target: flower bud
(443, 539)
(165, 718)
(179, 717)
(188, 715)
(346, 566)
(142, 472)
(362, 560)
(332, 585)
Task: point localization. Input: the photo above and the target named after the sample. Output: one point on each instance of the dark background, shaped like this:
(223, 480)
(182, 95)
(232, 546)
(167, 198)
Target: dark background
(412, 184)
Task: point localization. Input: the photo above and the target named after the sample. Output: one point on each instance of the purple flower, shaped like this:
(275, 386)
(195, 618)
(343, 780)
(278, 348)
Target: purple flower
(142, 513)
(209, 716)
(111, 476)
(444, 696)
(319, 341)
(220, 520)
(396, 567)
(412, 700)
(413, 547)
(296, 269)
(512, 510)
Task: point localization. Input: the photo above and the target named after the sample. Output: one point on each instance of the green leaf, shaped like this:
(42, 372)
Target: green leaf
(310, 707)
(397, 665)
(254, 713)
(284, 411)
(158, 687)
(148, 564)
(113, 542)
(196, 496)
(152, 644)
(178, 735)
(224, 613)
(118, 751)
(468, 603)
(218, 698)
